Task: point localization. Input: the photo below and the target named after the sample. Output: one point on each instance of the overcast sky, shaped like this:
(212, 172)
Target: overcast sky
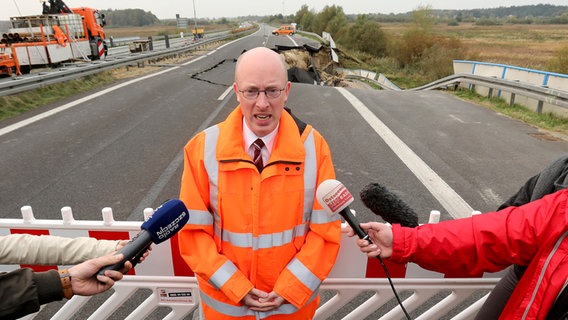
(164, 9)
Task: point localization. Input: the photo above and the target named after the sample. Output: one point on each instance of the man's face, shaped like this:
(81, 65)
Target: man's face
(261, 70)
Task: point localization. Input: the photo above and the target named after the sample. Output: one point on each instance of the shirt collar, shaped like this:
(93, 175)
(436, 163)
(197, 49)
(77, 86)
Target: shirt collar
(250, 137)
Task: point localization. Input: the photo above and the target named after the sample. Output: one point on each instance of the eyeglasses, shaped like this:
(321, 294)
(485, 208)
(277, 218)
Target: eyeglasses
(271, 93)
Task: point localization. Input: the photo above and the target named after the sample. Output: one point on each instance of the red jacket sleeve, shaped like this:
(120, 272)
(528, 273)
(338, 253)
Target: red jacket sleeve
(483, 243)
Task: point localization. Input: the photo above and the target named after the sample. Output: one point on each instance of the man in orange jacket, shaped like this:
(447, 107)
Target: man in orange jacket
(260, 246)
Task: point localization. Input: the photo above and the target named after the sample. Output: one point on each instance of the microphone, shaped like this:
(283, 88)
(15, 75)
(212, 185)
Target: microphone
(335, 199)
(388, 206)
(167, 220)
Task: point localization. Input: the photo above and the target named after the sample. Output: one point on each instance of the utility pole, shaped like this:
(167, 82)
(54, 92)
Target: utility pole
(195, 22)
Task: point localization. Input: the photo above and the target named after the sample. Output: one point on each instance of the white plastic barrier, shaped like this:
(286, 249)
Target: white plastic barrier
(181, 296)
(165, 259)
(173, 286)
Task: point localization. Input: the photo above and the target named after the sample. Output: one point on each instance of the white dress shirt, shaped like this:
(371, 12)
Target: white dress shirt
(250, 138)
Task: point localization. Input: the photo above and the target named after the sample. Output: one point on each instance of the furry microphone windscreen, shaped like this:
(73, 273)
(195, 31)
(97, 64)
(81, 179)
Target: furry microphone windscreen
(388, 206)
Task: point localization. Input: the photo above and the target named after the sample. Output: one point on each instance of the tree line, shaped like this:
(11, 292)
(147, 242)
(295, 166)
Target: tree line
(540, 13)
(129, 18)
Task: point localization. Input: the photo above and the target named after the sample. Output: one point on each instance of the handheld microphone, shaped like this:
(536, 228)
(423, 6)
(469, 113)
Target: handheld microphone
(388, 205)
(167, 220)
(335, 199)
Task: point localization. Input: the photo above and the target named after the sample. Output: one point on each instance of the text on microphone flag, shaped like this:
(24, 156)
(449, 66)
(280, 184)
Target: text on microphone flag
(338, 198)
(173, 227)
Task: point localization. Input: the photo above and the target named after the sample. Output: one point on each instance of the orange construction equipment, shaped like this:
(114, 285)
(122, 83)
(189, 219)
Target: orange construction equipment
(58, 35)
(7, 64)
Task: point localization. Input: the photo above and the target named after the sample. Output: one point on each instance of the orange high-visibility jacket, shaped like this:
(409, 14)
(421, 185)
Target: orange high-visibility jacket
(257, 230)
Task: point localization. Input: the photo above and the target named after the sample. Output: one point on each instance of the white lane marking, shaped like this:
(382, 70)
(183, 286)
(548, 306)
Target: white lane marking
(224, 94)
(69, 105)
(157, 188)
(456, 118)
(293, 41)
(448, 198)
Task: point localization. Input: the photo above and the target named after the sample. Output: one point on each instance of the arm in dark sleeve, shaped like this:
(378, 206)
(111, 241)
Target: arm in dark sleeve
(23, 291)
(524, 195)
(551, 179)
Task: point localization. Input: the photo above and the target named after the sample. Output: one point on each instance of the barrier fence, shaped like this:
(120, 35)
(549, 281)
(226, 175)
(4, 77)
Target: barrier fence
(356, 287)
(540, 91)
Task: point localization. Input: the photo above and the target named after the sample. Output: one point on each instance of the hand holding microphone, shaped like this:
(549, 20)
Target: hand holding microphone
(381, 240)
(335, 199)
(167, 220)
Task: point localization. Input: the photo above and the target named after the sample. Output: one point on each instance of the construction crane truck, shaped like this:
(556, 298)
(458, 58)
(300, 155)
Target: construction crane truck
(58, 35)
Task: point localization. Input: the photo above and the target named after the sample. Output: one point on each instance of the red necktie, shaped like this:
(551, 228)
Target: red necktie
(258, 144)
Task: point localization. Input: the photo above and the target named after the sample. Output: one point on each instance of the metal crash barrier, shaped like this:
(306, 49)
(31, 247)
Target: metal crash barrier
(163, 287)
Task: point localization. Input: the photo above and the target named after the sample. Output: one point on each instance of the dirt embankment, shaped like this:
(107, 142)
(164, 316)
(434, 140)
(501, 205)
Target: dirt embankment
(316, 65)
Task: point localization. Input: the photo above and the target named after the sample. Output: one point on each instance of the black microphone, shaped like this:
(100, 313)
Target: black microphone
(388, 206)
(335, 199)
(167, 220)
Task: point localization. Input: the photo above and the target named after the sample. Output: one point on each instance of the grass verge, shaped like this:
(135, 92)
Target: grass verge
(19, 103)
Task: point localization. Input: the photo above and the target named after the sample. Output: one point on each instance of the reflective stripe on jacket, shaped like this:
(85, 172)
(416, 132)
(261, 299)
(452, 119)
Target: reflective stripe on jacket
(535, 234)
(236, 240)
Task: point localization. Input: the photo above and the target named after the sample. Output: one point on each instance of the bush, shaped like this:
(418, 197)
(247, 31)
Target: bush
(488, 22)
(365, 36)
(437, 60)
(410, 47)
(373, 39)
(559, 63)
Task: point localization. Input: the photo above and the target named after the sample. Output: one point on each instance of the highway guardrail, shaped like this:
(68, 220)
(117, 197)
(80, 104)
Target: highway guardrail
(76, 70)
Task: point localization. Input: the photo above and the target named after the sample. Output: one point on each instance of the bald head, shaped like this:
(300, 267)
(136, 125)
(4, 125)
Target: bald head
(258, 71)
(260, 58)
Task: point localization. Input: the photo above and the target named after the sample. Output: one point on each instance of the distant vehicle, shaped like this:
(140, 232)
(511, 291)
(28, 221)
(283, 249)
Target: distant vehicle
(198, 33)
(284, 30)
